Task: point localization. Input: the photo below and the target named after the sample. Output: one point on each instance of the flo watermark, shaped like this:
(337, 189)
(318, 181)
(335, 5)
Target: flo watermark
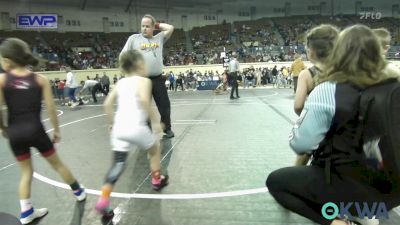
(377, 210)
(370, 15)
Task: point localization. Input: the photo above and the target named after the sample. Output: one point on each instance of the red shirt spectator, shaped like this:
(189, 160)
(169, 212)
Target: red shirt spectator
(61, 85)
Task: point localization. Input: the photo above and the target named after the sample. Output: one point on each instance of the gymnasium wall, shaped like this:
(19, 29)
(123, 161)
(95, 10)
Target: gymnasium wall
(82, 74)
(91, 19)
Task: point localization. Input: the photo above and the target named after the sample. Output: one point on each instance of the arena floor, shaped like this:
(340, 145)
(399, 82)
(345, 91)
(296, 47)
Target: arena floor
(218, 163)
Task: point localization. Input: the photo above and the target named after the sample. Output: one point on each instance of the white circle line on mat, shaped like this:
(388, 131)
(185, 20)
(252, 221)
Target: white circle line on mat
(58, 115)
(148, 196)
(158, 196)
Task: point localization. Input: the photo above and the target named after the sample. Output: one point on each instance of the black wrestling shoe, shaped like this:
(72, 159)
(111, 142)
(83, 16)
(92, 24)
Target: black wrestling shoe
(169, 134)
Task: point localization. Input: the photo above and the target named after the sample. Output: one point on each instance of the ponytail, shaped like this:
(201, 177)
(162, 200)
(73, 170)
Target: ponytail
(18, 51)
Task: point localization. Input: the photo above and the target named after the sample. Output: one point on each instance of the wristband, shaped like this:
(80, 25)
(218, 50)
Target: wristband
(157, 26)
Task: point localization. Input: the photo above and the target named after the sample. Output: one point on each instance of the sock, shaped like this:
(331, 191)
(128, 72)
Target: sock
(156, 177)
(75, 187)
(26, 204)
(106, 192)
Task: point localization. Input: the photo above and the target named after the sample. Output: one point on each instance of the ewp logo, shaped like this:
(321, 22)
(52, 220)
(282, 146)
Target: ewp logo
(29, 21)
(331, 211)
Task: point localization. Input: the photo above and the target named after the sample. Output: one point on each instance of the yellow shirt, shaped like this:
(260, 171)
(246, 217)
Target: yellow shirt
(285, 72)
(297, 67)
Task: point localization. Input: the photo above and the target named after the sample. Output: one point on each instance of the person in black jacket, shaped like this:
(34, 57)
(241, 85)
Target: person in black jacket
(274, 73)
(249, 78)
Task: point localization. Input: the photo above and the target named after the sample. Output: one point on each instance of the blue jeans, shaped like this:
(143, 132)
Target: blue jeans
(249, 83)
(60, 94)
(71, 94)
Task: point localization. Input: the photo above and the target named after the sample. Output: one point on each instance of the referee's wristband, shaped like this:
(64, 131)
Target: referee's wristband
(157, 26)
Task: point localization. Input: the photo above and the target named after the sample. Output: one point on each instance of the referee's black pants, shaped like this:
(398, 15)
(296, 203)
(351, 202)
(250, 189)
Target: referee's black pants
(234, 83)
(96, 88)
(161, 98)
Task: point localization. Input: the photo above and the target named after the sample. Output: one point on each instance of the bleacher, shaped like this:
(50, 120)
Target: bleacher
(31, 37)
(258, 39)
(177, 42)
(260, 31)
(210, 36)
(291, 30)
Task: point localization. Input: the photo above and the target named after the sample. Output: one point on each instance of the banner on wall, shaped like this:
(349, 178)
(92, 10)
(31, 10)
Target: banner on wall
(81, 49)
(37, 21)
(207, 85)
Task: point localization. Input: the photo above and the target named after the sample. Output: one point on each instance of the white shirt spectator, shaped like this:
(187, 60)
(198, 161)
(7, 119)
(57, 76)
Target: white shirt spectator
(71, 80)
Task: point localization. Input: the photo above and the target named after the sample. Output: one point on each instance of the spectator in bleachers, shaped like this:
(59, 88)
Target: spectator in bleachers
(259, 42)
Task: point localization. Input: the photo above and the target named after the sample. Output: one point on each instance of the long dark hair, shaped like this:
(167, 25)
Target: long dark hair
(17, 51)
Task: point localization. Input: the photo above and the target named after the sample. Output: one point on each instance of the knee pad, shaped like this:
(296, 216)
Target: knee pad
(117, 168)
(115, 172)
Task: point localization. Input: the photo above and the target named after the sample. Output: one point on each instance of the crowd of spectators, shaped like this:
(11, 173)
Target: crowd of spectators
(248, 77)
(262, 40)
(291, 31)
(211, 36)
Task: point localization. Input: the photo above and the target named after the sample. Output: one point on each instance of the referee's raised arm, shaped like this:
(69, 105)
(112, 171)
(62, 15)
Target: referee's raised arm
(167, 29)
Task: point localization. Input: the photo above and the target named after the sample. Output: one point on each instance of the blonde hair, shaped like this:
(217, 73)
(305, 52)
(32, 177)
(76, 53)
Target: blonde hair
(153, 20)
(356, 58)
(321, 39)
(128, 60)
(384, 36)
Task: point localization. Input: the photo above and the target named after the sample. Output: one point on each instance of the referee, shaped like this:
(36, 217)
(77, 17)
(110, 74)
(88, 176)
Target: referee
(233, 74)
(152, 49)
